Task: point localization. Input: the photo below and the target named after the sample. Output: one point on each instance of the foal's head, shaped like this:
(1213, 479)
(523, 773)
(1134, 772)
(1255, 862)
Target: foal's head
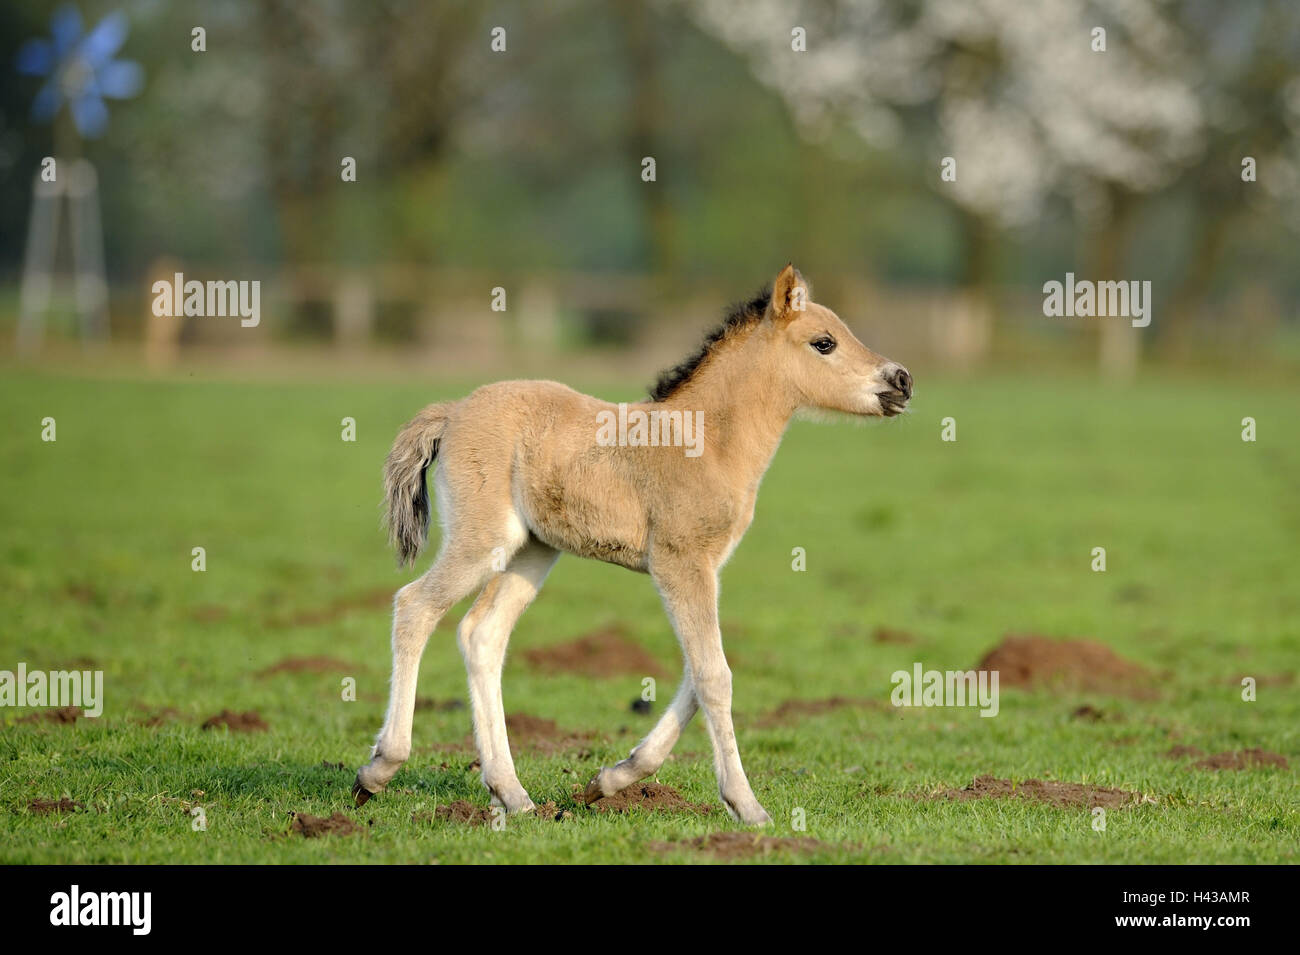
(817, 356)
(795, 345)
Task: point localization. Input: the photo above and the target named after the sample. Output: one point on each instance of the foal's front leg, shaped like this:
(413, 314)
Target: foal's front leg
(690, 595)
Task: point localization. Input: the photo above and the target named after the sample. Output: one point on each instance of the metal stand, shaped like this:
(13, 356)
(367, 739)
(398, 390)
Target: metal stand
(76, 180)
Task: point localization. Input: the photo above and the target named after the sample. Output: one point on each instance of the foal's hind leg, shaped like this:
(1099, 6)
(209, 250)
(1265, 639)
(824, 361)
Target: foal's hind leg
(416, 611)
(651, 752)
(483, 636)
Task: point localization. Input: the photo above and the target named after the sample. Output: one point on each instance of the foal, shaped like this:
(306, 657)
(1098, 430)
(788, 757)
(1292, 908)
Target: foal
(526, 469)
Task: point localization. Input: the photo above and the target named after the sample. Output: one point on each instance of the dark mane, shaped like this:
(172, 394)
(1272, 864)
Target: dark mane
(740, 317)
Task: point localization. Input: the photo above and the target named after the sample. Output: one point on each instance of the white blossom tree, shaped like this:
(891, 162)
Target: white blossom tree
(1028, 98)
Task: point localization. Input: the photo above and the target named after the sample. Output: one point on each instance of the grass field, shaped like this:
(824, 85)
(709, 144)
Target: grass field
(955, 543)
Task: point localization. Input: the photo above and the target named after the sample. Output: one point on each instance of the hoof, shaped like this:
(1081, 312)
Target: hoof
(754, 815)
(592, 792)
(360, 794)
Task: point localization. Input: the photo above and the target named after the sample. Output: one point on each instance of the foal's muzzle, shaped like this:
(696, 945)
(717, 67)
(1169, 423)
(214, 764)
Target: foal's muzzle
(899, 380)
(898, 377)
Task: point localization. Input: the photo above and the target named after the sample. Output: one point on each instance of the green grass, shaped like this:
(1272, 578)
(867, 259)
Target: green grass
(958, 543)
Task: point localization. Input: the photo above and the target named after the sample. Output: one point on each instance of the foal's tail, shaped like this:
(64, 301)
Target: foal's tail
(406, 497)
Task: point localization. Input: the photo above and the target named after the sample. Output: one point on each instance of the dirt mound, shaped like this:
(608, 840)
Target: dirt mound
(741, 845)
(308, 665)
(1061, 795)
(81, 662)
(84, 593)
(792, 710)
(313, 826)
(549, 810)
(461, 810)
(43, 807)
(1087, 712)
(1243, 759)
(247, 722)
(542, 735)
(892, 635)
(467, 813)
(526, 732)
(601, 653)
(1033, 660)
(336, 610)
(167, 714)
(64, 715)
(651, 797)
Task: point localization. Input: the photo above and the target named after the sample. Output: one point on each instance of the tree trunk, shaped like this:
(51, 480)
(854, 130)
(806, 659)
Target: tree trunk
(965, 333)
(645, 128)
(1119, 343)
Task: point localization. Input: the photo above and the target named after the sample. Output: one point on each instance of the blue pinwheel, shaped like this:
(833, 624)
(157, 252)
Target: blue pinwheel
(80, 69)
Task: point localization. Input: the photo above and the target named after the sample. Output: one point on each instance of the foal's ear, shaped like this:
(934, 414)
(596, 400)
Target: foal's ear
(789, 293)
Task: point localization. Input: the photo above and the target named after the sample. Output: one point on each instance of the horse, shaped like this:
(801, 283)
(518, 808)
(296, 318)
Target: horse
(526, 470)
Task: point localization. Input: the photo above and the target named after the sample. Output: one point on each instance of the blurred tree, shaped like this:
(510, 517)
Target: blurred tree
(528, 159)
(1248, 51)
(1020, 95)
(645, 124)
(387, 88)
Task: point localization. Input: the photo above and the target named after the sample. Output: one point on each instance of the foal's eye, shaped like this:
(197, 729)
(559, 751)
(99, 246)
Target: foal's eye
(824, 345)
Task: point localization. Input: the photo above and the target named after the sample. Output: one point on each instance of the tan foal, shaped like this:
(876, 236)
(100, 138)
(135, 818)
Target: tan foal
(527, 469)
